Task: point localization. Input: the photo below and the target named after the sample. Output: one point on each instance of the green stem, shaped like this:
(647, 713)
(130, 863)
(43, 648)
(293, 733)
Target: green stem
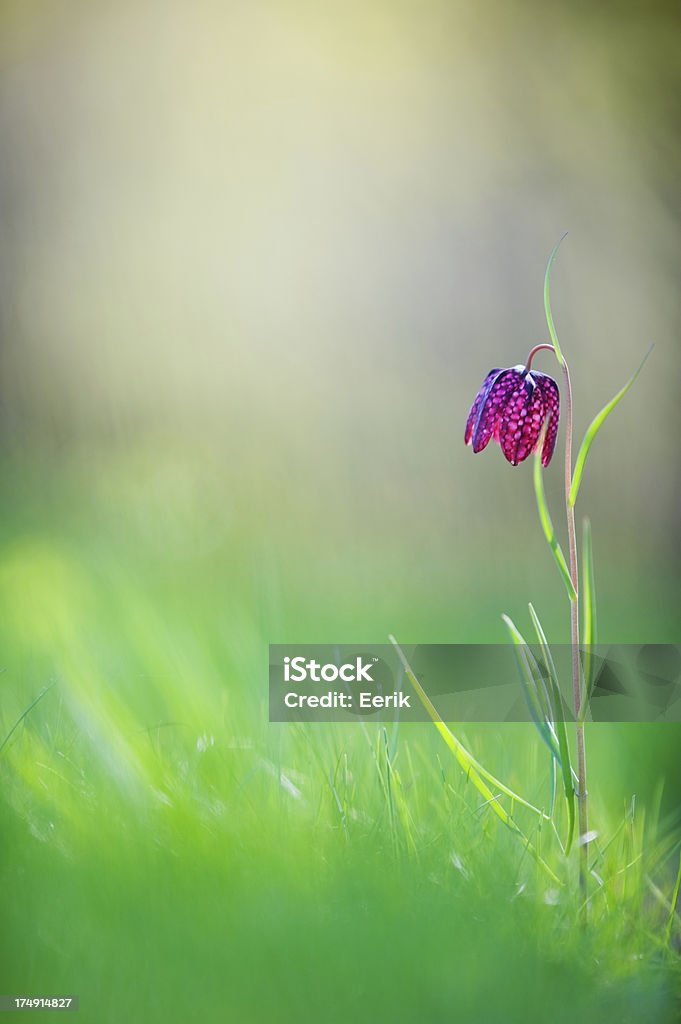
(574, 624)
(574, 632)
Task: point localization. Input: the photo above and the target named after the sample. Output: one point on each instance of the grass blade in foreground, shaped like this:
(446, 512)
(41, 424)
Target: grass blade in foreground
(672, 912)
(478, 775)
(596, 425)
(561, 732)
(534, 688)
(23, 715)
(546, 523)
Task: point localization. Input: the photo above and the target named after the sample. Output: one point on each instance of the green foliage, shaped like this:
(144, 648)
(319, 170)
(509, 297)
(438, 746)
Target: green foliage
(547, 524)
(165, 848)
(547, 302)
(673, 917)
(475, 772)
(546, 705)
(595, 426)
(558, 718)
(534, 688)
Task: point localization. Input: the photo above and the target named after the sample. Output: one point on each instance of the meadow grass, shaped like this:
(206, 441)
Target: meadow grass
(167, 854)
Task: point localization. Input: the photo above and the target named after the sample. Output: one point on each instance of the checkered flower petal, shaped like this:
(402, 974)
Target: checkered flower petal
(491, 407)
(551, 396)
(480, 398)
(521, 421)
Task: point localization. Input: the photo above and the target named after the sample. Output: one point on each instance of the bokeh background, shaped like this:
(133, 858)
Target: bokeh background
(255, 260)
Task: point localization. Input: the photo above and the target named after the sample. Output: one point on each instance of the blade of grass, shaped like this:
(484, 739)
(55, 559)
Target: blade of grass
(24, 713)
(465, 759)
(400, 808)
(561, 732)
(533, 687)
(554, 785)
(547, 302)
(547, 525)
(473, 769)
(478, 775)
(595, 426)
(672, 912)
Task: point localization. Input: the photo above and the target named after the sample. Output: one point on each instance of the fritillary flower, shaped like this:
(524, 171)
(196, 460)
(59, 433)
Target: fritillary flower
(512, 407)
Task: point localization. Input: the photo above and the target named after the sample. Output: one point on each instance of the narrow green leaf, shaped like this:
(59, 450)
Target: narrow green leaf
(547, 525)
(554, 785)
(472, 767)
(672, 912)
(547, 302)
(596, 425)
(534, 688)
(589, 631)
(475, 772)
(561, 732)
(24, 713)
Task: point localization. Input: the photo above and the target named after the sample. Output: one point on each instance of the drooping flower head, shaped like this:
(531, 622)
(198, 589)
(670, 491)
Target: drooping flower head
(512, 407)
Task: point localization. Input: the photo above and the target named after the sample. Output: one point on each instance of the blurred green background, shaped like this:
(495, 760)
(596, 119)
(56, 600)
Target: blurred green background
(255, 260)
